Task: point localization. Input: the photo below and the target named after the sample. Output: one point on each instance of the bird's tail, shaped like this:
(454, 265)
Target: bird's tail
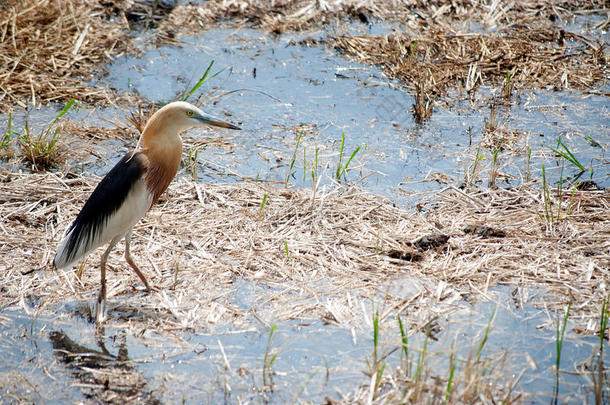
(75, 245)
(63, 257)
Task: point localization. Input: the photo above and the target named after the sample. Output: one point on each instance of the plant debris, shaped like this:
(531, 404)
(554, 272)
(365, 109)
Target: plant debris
(281, 16)
(443, 60)
(309, 257)
(51, 48)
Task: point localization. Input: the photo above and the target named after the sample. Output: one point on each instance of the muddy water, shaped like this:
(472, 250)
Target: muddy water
(283, 89)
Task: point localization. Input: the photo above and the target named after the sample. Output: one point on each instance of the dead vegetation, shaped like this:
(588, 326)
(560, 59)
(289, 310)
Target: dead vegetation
(51, 48)
(280, 16)
(48, 47)
(311, 259)
(442, 61)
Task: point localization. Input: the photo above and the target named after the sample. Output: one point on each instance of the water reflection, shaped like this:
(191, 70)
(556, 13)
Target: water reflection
(101, 375)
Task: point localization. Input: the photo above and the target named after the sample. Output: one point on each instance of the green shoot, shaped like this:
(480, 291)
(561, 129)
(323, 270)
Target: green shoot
(508, 86)
(5, 142)
(421, 360)
(185, 95)
(42, 151)
(340, 154)
(404, 339)
(560, 191)
(61, 113)
(603, 321)
(477, 158)
(412, 49)
(342, 168)
(286, 250)
(314, 175)
(450, 378)
(485, 335)
(377, 364)
(314, 169)
(375, 335)
(268, 360)
(592, 142)
(598, 382)
(294, 158)
(560, 332)
(567, 155)
(546, 195)
(263, 203)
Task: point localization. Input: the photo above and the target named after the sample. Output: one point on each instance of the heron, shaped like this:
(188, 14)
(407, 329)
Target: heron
(129, 190)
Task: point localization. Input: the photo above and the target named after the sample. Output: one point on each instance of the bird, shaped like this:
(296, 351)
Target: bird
(129, 190)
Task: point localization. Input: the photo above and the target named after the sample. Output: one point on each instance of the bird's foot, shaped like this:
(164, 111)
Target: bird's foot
(147, 289)
(100, 311)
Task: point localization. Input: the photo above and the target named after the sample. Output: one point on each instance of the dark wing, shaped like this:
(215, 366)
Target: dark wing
(109, 195)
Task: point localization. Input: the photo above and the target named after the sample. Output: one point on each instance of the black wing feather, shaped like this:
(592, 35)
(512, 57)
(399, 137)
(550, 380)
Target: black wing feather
(105, 200)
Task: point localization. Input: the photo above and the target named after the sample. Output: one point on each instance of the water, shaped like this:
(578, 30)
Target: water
(310, 89)
(297, 88)
(312, 360)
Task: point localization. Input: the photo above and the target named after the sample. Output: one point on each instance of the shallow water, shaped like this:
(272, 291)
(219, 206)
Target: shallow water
(299, 88)
(313, 360)
(324, 95)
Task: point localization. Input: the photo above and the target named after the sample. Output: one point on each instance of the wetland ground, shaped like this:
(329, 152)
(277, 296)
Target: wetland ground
(416, 210)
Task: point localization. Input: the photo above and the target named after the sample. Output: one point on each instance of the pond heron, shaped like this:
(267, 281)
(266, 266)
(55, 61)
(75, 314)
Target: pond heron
(128, 191)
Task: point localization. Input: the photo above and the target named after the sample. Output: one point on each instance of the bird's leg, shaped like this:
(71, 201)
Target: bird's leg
(100, 308)
(130, 261)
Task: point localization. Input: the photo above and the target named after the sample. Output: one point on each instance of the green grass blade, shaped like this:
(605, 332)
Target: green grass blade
(450, 378)
(376, 331)
(294, 158)
(485, 335)
(349, 161)
(567, 154)
(561, 329)
(340, 164)
(6, 139)
(404, 339)
(64, 110)
(263, 203)
(286, 249)
(202, 80)
(603, 321)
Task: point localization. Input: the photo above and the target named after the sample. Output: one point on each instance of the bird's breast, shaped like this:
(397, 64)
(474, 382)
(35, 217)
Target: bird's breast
(163, 165)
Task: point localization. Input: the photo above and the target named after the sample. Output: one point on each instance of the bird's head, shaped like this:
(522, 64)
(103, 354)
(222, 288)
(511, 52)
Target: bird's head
(179, 116)
(187, 116)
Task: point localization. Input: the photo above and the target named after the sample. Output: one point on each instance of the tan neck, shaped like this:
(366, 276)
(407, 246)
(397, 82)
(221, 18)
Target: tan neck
(164, 152)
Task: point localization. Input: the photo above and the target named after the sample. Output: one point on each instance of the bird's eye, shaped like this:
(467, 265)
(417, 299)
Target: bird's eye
(189, 113)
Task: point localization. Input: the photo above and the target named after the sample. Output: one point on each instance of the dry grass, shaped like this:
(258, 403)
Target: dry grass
(445, 60)
(346, 247)
(280, 16)
(51, 48)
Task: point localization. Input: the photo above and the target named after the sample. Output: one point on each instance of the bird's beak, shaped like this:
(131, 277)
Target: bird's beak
(208, 120)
